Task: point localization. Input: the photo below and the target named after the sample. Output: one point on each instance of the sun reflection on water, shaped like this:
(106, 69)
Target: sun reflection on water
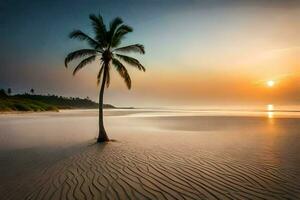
(270, 109)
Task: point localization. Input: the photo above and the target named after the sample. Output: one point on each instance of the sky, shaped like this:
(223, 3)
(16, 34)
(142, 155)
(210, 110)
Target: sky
(210, 52)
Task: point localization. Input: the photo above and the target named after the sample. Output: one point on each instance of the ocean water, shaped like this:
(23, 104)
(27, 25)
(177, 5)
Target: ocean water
(69, 127)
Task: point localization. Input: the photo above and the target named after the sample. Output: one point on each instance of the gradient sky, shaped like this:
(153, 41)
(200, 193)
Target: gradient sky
(197, 52)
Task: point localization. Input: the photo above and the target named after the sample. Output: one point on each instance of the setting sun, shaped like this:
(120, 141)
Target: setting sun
(270, 83)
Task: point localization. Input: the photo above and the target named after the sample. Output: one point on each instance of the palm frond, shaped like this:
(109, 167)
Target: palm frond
(119, 34)
(99, 29)
(78, 54)
(78, 34)
(115, 23)
(122, 71)
(106, 43)
(137, 48)
(132, 61)
(107, 76)
(84, 63)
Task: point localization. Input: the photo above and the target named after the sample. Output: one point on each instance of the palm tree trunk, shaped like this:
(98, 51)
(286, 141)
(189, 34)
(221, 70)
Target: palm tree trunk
(102, 137)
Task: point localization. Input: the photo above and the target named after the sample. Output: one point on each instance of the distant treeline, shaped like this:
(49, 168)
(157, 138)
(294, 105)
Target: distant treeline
(34, 102)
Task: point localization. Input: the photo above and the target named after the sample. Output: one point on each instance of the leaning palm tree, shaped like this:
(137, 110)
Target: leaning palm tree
(105, 46)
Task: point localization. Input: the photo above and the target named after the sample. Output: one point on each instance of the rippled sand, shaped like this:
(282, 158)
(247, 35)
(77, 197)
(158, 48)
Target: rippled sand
(157, 155)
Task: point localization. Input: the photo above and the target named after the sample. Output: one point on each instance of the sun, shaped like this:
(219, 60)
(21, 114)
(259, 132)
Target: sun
(270, 83)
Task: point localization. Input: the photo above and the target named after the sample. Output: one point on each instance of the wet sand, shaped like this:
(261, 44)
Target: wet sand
(157, 155)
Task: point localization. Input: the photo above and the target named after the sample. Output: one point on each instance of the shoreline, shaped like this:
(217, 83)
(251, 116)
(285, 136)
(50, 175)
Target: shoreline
(57, 111)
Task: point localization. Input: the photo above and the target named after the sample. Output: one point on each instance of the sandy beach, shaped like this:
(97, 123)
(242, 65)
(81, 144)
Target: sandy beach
(156, 154)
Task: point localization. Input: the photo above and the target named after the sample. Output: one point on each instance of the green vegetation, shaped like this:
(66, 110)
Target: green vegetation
(17, 104)
(37, 103)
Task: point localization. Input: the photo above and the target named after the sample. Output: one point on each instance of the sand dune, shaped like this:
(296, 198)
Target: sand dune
(169, 164)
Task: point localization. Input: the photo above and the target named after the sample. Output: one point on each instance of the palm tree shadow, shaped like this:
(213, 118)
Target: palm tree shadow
(95, 143)
(99, 147)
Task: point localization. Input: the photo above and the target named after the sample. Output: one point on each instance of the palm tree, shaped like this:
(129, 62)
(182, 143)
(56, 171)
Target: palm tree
(106, 46)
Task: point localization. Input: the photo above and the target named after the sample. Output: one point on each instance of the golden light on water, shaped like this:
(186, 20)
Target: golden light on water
(270, 83)
(270, 109)
(270, 115)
